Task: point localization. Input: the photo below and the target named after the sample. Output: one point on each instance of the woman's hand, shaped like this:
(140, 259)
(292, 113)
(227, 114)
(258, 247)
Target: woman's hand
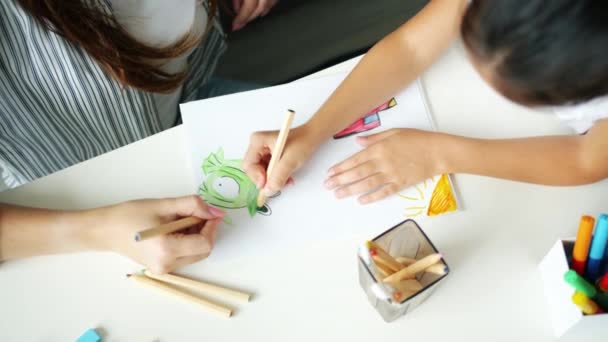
(391, 161)
(249, 10)
(300, 145)
(165, 253)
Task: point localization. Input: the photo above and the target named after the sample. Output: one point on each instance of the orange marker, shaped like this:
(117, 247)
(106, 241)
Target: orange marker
(581, 246)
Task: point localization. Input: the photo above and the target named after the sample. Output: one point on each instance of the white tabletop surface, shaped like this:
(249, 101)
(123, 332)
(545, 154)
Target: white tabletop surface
(493, 246)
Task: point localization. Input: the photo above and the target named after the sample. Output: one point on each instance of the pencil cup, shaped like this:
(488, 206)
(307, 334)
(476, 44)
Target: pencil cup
(405, 241)
(567, 319)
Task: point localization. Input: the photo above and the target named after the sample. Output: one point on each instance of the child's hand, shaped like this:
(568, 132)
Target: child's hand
(391, 161)
(164, 253)
(300, 145)
(249, 10)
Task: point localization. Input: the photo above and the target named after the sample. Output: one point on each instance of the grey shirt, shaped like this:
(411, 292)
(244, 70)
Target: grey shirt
(57, 105)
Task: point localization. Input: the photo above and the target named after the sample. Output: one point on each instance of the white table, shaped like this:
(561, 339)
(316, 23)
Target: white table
(312, 294)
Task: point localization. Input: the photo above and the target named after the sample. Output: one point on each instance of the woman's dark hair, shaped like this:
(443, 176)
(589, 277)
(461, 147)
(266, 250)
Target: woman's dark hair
(541, 52)
(90, 25)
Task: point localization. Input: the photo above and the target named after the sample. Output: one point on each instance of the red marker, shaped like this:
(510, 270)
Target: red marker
(603, 283)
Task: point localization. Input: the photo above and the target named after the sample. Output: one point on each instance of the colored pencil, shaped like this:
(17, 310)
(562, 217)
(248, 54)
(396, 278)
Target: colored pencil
(205, 304)
(167, 228)
(201, 286)
(277, 151)
(405, 261)
(382, 255)
(410, 271)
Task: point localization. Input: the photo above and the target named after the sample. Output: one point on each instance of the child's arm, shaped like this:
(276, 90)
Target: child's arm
(26, 232)
(399, 158)
(556, 160)
(388, 67)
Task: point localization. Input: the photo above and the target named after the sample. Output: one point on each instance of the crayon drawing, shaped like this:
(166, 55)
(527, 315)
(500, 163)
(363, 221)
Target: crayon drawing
(227, 186)
(432, 197)
(368, 122)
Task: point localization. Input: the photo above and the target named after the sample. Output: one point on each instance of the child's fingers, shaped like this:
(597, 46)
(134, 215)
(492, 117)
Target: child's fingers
(283, 170)
(383, 192)
(349, 163)
(361, 186)
(354, 174)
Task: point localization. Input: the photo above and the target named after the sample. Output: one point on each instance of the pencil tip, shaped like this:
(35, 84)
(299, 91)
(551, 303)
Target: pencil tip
(137, 237)
(292, 111)
(129, 275)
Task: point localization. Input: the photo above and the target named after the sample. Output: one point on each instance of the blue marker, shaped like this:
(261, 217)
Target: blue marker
(598, 248)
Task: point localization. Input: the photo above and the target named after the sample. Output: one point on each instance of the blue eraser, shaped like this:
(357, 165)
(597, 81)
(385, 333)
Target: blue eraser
(89, 336)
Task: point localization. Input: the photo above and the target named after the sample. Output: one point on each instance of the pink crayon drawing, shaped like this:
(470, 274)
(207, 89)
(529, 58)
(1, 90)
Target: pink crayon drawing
(368, 122)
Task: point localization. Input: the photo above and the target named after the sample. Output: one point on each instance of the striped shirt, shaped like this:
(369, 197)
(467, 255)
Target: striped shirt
(58, 107)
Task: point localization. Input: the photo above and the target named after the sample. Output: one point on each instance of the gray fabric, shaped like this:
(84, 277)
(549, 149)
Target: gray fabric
(303, 36)
(58, 107)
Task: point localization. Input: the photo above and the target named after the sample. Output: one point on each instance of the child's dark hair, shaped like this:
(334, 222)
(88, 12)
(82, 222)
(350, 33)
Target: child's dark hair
(541, 52)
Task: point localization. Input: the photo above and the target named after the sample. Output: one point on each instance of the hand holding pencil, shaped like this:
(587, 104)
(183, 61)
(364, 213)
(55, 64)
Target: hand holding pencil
(164, 250)
(298, 145)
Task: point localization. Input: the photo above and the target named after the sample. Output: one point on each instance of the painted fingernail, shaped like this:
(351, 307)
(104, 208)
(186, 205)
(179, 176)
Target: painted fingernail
(216, 212)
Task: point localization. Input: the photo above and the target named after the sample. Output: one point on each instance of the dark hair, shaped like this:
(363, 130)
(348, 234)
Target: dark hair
(542, 52)
(90, 25)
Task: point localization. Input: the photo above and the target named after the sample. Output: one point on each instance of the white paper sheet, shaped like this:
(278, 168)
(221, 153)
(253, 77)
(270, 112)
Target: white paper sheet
(306, 212)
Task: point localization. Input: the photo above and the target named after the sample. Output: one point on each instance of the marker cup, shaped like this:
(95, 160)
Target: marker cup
(403, 240)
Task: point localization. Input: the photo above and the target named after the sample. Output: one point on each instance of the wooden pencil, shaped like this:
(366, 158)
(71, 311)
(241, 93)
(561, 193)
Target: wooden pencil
(405, 261)
(410, 271)
(167, 228)
(383, 270)
(439, 269)
(205, 304)
(388, 260)
(201, 286)
(277, 151)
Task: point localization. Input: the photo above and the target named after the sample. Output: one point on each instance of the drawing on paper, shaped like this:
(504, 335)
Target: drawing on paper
(432, 197)
(227, 186)
(368, 122)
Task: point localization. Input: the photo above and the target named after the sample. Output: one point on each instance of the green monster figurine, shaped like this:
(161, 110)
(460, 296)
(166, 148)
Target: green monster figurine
(227, 186)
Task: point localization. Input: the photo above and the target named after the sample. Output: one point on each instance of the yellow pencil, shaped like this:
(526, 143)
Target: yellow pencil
(277, 151)
(410, 271)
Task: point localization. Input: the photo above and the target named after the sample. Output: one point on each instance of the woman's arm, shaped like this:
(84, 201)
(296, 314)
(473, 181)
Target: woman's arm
(26, 232)
(387, 68)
